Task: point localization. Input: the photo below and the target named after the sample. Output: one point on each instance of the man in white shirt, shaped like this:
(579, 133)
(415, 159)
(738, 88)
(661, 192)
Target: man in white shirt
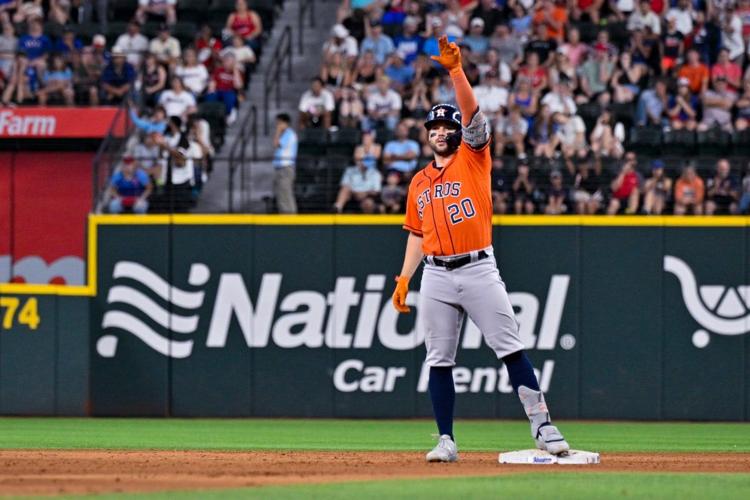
(682, 14)
(165, 47)
(644, 17)
(491, 96)
(133, 44)
(560, 100)
(316, 105)
(193, 74)
(177, 101)
(383, 106)
(341, 43)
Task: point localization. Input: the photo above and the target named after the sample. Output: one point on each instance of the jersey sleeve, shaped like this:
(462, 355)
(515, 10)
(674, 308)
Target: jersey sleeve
(413, 222)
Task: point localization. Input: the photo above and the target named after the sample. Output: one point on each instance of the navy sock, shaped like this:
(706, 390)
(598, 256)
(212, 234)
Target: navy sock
(520, 371)
(443, 396)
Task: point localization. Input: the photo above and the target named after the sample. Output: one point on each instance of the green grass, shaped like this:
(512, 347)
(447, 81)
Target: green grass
(391, 435)
(547, 486)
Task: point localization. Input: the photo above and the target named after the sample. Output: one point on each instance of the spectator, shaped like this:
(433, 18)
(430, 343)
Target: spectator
(59, 11)
(656, 190)
(116, 81)
(743, 107)
(177, 101)
(225, 86)
(534, 73)
(383, 106)
(418, 104)
(35, 44)
(243, 54)
(400, 74)
(722, 190)
(148, 154)
(688, 192)
(133, 43)
(246, 23)
(588, 188)
(705, 38)
(284, 160)
(543, 137)
(165, 47)
(179, 176)
(129, 188)
(491, 96)
(401, 153)
(333, 72)
(193, 74)
(511, 130)
(563, 70)
(520, 23)
(571, 134)
(696, 73)
(157, 124)
(315, 106)
(369, 151)
(556, 195)
(362, 185)
(682, 15)
(365, 72)
(340, 43)
(554, 17)
(208, 48)
(595, 75)
(455, 16)
(731, 72)
(717, 106)
(643, 17)
(351, 108)
(589, 9)
(625, 187)
(652, 105)
(672, 46)
(69, 46)
(435, 31)
(393, 194)
(443, 90)
(524, 98)
(490, 12)
(6, 7)
(501, 185)
(409, 43)
(58, 82)
(378, 43)
(542, 45)
(476, 40)
(524, 190)
(628, 78)
(153, 81)
(683, 107)
(86, 73)
(607, 137)
(744, 207)
(162, 10)
(509, 48)
(731, 34)
(574, 49)
(23, 83)
(8, 46)
(28, 11)
(560, 101)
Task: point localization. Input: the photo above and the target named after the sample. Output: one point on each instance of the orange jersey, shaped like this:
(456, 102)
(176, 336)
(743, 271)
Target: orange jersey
(451, 207)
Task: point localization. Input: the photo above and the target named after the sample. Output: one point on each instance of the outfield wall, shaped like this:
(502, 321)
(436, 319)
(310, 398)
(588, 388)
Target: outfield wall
(291, 316)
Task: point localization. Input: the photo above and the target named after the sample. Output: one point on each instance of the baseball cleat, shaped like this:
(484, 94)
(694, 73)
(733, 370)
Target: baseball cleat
(549, 438)
(445, 451)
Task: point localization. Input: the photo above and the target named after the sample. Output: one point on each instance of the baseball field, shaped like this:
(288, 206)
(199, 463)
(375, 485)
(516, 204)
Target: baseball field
(285, 458)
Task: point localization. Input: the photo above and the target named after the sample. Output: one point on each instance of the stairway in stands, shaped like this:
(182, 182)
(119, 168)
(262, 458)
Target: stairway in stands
(258, 178)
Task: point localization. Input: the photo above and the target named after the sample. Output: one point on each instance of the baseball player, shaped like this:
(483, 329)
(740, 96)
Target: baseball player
(449, 219)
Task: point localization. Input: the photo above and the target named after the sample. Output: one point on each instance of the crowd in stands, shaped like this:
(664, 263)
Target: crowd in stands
(565, 83)
(160, 64)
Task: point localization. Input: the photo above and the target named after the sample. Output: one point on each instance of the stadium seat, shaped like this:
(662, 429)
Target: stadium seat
(123, 10)
(184, 32)
(589, 113)
(679, 142)
(192, 11)
(343, 141)
(646, 140)
(312, 141)
(714, 142)
(215, 114)
(114, 30)
(741, 143)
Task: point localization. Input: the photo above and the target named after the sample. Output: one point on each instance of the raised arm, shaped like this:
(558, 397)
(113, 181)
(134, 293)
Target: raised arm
(476, 129)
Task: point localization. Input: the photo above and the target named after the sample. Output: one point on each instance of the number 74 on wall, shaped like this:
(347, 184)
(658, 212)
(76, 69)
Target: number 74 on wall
(11, 311)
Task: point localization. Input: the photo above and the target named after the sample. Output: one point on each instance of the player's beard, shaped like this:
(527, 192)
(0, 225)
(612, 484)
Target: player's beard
(443, 150)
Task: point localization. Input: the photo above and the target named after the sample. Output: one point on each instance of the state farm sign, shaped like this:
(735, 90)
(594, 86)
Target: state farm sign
(43, 122)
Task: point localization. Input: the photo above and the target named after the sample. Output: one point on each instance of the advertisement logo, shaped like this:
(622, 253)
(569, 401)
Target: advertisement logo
(719, 309)
(13, 125)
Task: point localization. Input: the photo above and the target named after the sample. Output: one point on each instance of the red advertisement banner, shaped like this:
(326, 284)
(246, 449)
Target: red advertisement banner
(56, 123)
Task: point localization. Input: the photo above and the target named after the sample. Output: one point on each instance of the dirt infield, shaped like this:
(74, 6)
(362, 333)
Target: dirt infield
(75, 472)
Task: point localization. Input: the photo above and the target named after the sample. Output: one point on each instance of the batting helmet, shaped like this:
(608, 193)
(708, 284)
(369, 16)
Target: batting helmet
(445, 113)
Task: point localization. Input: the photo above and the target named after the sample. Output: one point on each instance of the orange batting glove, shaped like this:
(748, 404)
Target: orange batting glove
(450, 54)
(399, 295)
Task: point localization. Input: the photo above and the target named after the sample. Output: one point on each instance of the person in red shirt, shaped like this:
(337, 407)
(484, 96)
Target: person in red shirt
(534, 73)
(226, 81)
(625, 187)
(208, 47)
(246, 23)
(731, 72)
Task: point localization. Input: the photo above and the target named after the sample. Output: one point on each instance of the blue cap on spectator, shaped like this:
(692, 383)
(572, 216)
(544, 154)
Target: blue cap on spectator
(657, 164)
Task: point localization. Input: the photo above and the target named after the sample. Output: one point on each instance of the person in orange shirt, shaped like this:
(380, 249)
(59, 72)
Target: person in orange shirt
(449, 219)
(689, 191)
(696, 73)
(554, 17)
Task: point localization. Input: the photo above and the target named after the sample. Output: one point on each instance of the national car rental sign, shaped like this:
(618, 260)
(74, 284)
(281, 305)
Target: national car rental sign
(58, 123)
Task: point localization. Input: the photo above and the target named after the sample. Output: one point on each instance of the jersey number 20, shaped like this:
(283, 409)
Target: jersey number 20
(456, 209)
